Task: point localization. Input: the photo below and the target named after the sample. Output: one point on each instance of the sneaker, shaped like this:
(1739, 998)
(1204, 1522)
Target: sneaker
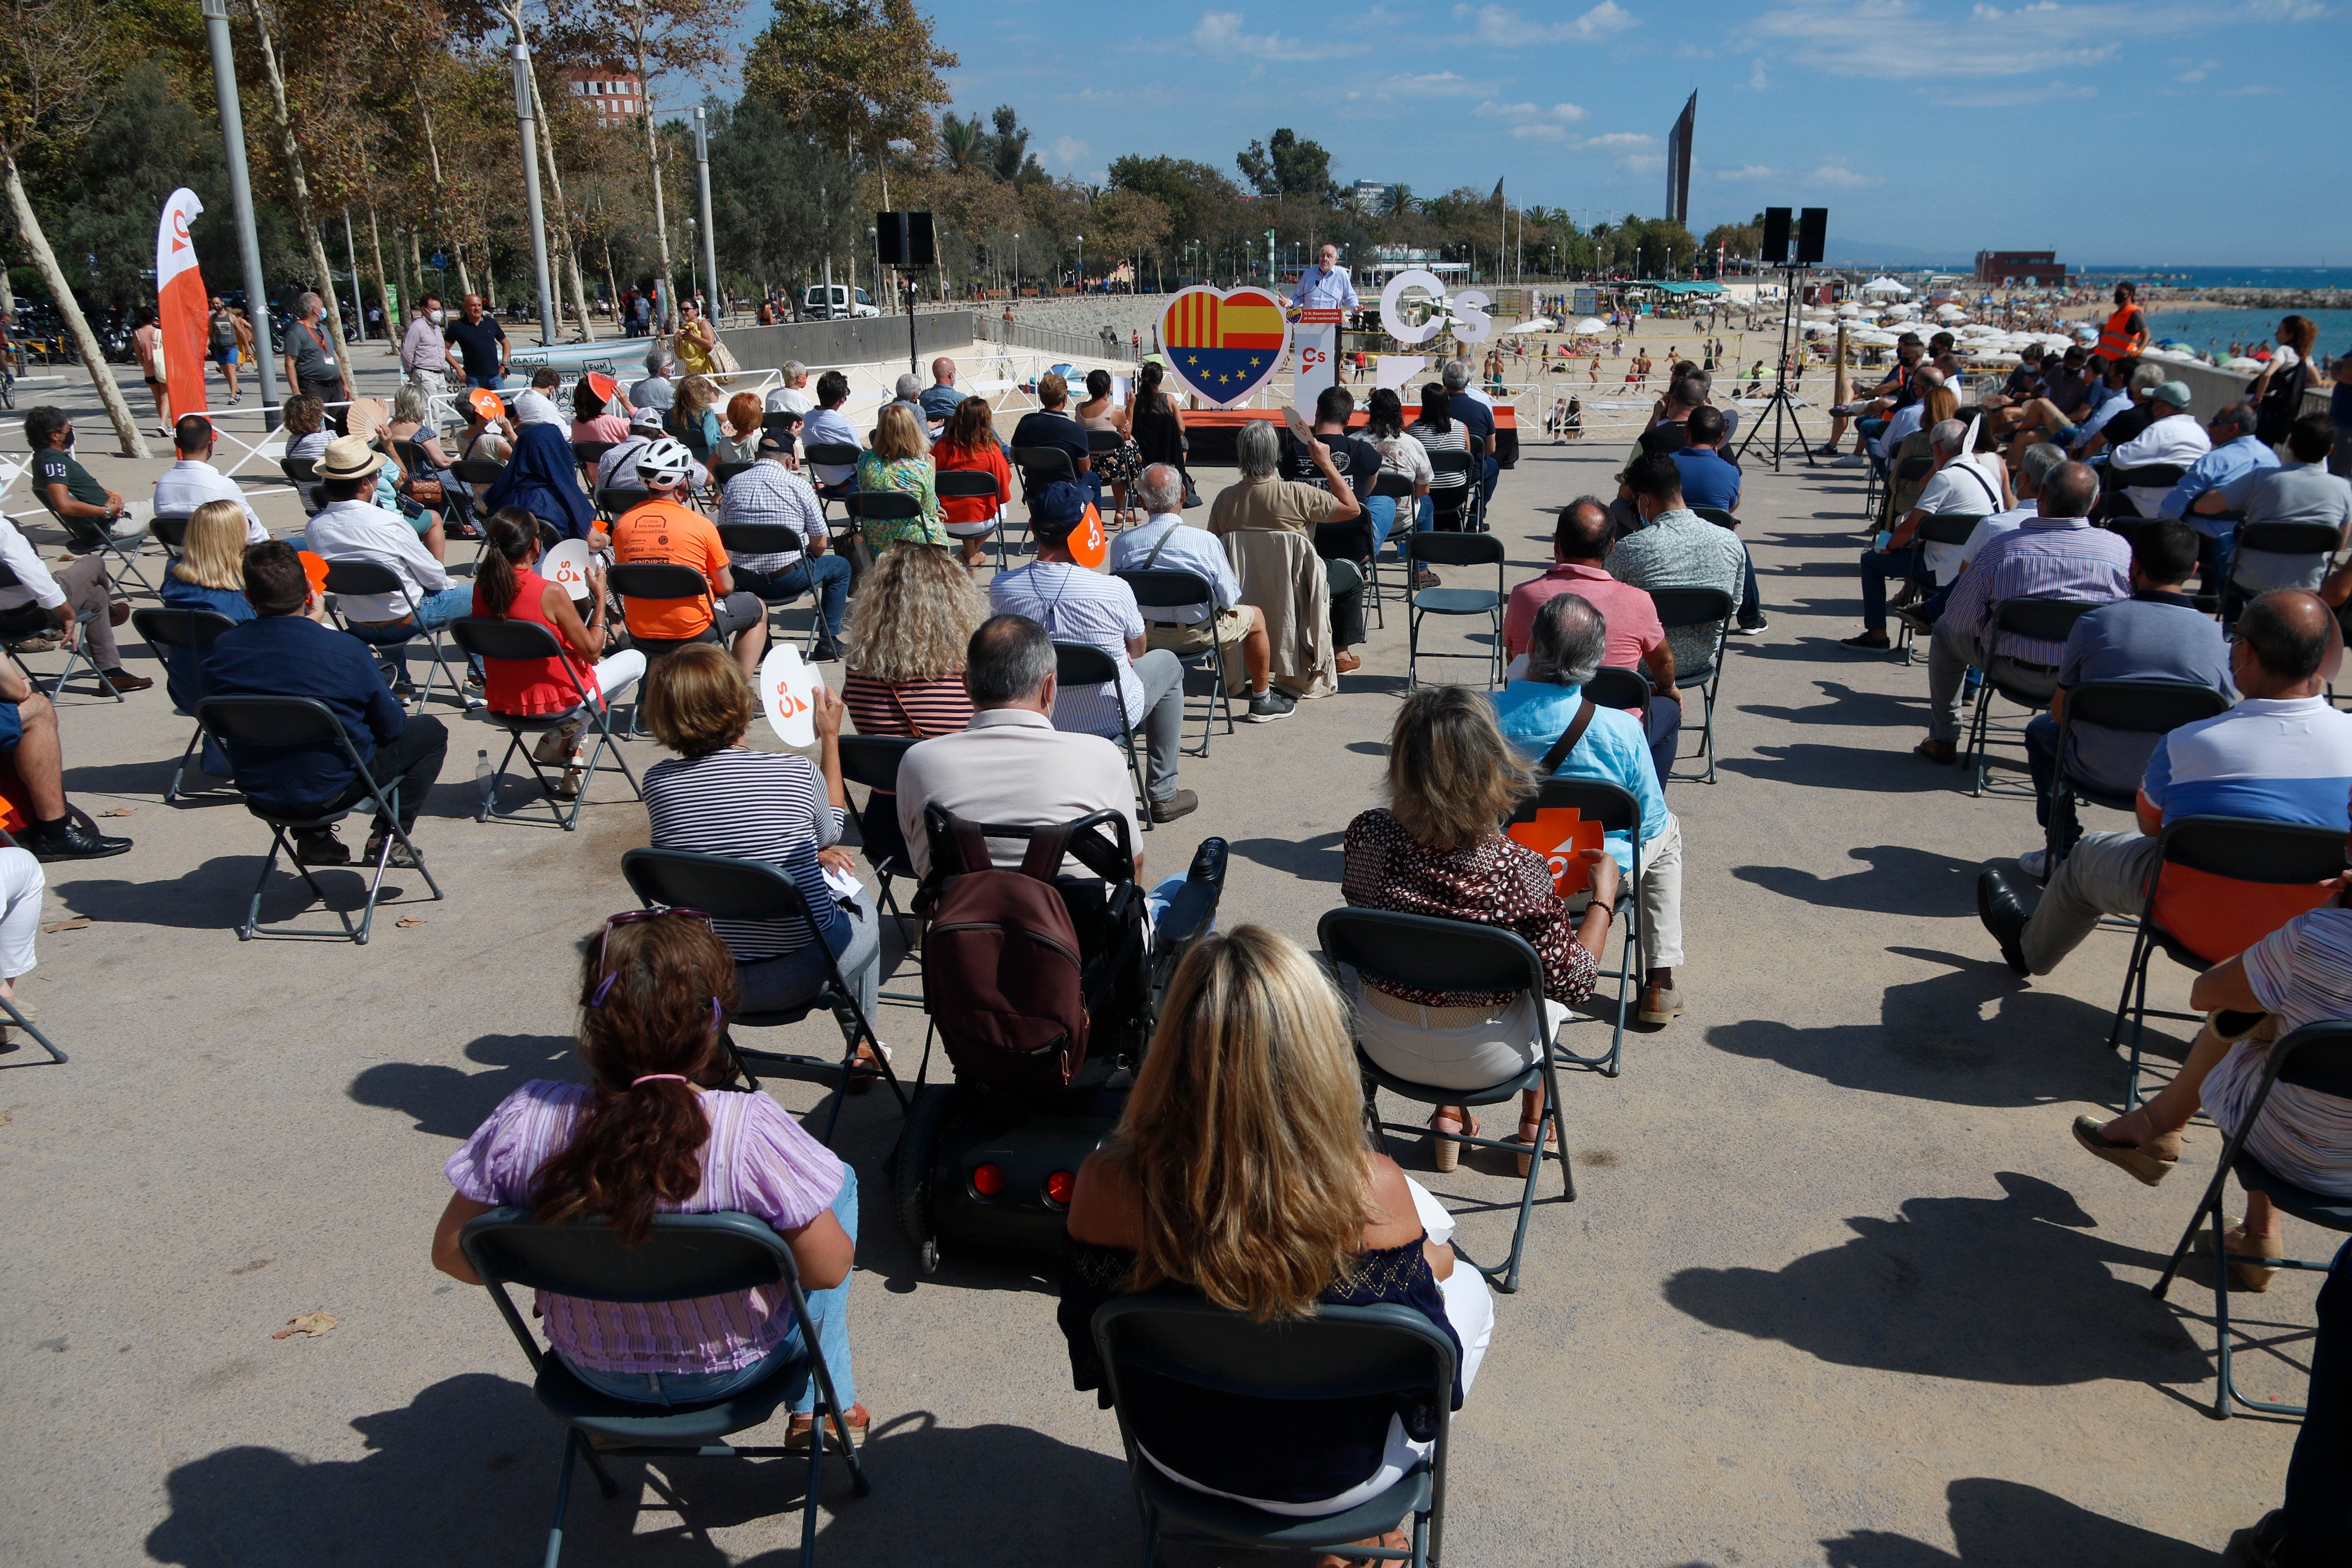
(47, 642)
(321, 848)
(1851, 460)
(72, 842)
(555, 745)
(1759, 628)
(2035, 863)
(1265, 707)
(1183, 803)
(402, 856)
(1661, 1004)
(828, 651)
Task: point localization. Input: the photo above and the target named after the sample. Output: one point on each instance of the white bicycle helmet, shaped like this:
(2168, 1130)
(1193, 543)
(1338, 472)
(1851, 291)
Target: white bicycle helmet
(665, 464)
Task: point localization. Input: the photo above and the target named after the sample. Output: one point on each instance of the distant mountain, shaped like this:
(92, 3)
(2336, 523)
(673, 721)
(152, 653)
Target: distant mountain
(1865, 252)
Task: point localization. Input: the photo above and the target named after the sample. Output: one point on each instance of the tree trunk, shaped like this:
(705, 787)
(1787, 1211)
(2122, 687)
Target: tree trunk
(383, 282)
(570, 250)
(303, 216)
(45, 261)
(653, 167)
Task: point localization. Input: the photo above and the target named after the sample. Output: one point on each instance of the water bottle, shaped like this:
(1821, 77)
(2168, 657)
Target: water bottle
(484, 780)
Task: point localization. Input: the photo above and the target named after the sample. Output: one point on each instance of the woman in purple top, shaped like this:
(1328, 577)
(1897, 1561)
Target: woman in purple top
(653, 1133)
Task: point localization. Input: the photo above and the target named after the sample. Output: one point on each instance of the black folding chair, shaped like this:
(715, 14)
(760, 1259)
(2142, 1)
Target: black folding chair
(1939, 528)
(689, 1257)
(193, 631)
(614, 500)
(1450, 503)
(477, 471)
(1717, 516)
(490, 639)
(1167, 588)
(783, 424)
(302, 473)
(2316, 1057)
(1615, 687)
(656, 580)
(974, 484)
(2149, 708)
(1427, 954)
(776, 539)
(2046, 620)
(587, 455)
(1476, 497)
(1083, 664)
(1679, 607)
(1452, 550)
(831, 455)
(2277, 854)
(872, 762)
(170, 529)
(1334, 1354)
(879, 506)
(722, 472)
(2314, 541)
(31, 620)
(94, 536)
(305, 722)
(1039, 466)
(730, 889)
(1596, 800)
(389, 642)
(1397, 488)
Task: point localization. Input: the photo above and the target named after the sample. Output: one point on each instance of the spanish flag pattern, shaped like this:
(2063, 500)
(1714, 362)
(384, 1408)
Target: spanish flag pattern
(1223, 345)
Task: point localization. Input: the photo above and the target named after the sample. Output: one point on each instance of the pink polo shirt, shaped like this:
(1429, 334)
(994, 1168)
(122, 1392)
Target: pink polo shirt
(1634, 629)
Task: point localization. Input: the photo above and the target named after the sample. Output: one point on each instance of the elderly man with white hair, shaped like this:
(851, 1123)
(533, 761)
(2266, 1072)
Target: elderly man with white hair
(794, 396)
(907, 393)
(656, 391)
(1477, 414)
(1547, 717)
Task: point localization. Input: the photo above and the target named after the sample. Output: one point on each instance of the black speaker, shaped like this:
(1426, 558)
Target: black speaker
(905, 239)
(1776, 236)
(1812, 233)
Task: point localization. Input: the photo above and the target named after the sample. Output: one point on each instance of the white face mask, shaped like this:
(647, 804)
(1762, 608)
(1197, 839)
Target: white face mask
(436, 315)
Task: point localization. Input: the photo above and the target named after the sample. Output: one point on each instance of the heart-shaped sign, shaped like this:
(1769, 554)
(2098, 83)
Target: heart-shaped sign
(1223, 346)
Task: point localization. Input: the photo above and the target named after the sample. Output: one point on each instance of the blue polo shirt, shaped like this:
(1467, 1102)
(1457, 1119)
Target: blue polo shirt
(1707, 478)
(293, 655)
(1612, 748)
(1474, 414)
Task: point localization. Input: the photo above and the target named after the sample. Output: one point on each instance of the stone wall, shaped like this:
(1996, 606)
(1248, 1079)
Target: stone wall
(869, 340)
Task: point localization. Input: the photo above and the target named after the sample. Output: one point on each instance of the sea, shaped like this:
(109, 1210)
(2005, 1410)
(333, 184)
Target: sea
(2214, 331)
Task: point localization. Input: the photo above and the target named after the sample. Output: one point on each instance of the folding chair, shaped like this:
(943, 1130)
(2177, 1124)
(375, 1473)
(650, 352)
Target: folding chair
(1612, 686)
(1432, 954)
(2316, 1057)
(1335, 1354)
(477, 471)
(1398, 489)
(85, 536)
(730, 889)
(1679, 607)
(1167, 588)
(722, 472)
(170, 529)
(1083, 664)
(831, 455)
(1450, 505)
(1596, 800)
(16, 1017)
(654, 579)
(2131, 707)
(587, 455)
(1909, 471)
(291, 722)
(194, 631)
(2045, 620)
(615, 500)
(1452, 550)
(489, 638)
(775, 539)
(2269, 854)
(1717, 516)
(781, 424)
(374, 579)
(1938, 528)
(689, 1257)
(2314, 541)
(877, 506)
(872, 762)
(302, 473)
(1477, 494)
(1039, 466)
(31, 620)
(974, 484)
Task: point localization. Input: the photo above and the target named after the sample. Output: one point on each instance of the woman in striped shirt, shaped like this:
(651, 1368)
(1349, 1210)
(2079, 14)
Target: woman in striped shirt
(905, 644)
(1438, 431)
(717, 796)
(643, 1137)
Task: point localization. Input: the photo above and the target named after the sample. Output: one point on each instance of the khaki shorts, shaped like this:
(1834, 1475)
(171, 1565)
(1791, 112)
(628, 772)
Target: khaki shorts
(1184, 641)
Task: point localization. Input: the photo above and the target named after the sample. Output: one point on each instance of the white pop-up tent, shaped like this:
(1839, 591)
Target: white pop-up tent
(1886, 286)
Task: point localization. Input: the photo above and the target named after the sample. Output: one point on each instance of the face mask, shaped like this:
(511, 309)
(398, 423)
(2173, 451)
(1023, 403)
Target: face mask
(436, 315)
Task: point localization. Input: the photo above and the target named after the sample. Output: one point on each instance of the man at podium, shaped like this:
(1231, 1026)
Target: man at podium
(1324, 286)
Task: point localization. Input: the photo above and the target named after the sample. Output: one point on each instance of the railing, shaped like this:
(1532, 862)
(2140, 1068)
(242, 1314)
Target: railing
(1052, 340)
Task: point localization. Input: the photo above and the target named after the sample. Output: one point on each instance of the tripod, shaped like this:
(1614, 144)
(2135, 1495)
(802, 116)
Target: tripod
(1783, 406)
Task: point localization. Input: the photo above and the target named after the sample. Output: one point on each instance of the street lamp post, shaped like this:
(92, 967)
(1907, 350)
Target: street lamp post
(1082, 264)
(693, 263)
(240, 194)
(702, 177)
(526, 125)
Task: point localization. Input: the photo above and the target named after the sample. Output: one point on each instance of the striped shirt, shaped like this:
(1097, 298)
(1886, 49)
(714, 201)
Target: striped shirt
(752, 805)
(1074, 604)
(757, 1161)
(2301, 973)
(918, 708)
(1454, 439)
(2045, 558)
(768, 492)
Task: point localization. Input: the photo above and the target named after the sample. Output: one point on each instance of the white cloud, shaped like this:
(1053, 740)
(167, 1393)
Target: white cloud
(1840, 177)
(2014, 97)
(1410, 85)
(1645, 164)
(1542, 130)
(1618, 139)
(1558, 114)
(1501, 27)
(1747, 172)
(1220, 33)
(1066, 151)
(1757, 80)
(1909, 39)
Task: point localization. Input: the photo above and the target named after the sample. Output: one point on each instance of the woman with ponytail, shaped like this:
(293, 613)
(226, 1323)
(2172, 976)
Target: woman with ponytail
(1156, 424)
(508, 587)
(651, 1133)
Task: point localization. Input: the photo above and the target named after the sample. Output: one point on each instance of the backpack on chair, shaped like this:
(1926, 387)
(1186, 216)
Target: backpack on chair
(1004, 978)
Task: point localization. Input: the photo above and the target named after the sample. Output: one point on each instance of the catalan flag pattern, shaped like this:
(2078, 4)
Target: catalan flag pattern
(1223, 346)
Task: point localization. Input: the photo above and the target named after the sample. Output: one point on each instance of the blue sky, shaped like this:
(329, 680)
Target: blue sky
(2197, 132)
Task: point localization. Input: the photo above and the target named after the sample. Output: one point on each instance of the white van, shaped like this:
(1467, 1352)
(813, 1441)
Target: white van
(826, 301)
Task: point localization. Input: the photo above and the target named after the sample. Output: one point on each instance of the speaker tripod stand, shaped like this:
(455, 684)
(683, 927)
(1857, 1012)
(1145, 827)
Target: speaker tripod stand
(1782, 406)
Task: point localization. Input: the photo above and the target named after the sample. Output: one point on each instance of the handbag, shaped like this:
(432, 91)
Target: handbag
(423, 492)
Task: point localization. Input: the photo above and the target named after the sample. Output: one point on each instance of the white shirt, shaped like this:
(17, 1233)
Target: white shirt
(1074, 604)
(2174, 441)
(1188, 549)
(1404, 454)
(359, 531)
(190, 482)
(535, 407)
(35, 586)
(1013, 767)
(790, 400)
(1962, 487)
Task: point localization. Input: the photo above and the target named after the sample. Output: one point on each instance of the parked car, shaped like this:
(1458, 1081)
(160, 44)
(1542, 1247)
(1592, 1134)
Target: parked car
(827, 302)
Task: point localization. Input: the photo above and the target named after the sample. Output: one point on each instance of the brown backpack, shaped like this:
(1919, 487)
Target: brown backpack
(1003, 975)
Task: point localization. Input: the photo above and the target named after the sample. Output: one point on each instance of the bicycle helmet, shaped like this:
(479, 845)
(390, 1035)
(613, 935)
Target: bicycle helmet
(665, 464)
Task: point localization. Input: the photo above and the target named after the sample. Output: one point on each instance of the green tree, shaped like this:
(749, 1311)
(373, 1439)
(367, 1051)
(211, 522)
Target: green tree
(1009, 152)
(861, 73)
(775, 221)
(1285, 166)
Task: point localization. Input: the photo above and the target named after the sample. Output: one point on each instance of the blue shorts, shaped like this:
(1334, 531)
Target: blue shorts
(12, 727)
(225, 356)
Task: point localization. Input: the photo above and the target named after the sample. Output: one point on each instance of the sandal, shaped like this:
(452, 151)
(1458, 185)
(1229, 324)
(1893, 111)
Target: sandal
(1395, 1540)
(864, 1068)
(1527, 1135)
(2253, 1274)
(2148, 1162)
(796, 1435)
(1446, 1133)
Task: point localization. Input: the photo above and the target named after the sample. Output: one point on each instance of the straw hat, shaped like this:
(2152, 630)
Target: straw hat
(349, 457)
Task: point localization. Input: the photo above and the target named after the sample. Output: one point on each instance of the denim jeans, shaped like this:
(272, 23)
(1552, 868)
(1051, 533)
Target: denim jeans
(1878, 568)
(790, 980)
(828, 1308)
(830, 574)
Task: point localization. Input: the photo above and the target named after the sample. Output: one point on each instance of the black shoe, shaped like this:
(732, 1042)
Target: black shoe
(1183, 803)
(827, 652)
(74, 841)
(321, 848)
(1267, 706)
(1876, 641)
(2003, 916)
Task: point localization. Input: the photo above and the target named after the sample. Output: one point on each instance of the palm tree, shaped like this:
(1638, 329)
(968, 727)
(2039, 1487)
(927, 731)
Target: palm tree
(1399, 203)
(963, 142)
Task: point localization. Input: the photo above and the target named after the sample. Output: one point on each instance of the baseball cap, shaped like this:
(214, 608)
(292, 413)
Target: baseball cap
(1059, 508)
(645, 419)
(771, 442)
(2173, 392)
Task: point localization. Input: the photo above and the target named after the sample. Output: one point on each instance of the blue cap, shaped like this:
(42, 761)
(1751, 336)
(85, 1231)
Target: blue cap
(1058, 508)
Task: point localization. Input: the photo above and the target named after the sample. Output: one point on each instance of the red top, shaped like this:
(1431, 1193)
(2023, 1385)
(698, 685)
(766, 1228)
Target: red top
(532, 686)
(988, 459)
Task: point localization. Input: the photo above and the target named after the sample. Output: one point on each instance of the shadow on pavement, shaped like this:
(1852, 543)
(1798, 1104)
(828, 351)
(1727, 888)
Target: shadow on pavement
(213, 897)
(2017, 1526)
(2004, 1290)
(1847, 705)
(1897, 881)
(448, 1102)
(1873, 770)
(1320, 859)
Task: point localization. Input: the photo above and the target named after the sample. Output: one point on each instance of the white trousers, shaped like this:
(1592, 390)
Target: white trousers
(20, 910)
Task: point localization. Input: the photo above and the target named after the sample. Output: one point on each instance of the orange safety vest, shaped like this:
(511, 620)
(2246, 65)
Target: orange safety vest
(2115, 342)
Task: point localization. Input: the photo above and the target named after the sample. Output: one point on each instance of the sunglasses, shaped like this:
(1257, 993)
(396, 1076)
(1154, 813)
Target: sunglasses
(630, 917)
